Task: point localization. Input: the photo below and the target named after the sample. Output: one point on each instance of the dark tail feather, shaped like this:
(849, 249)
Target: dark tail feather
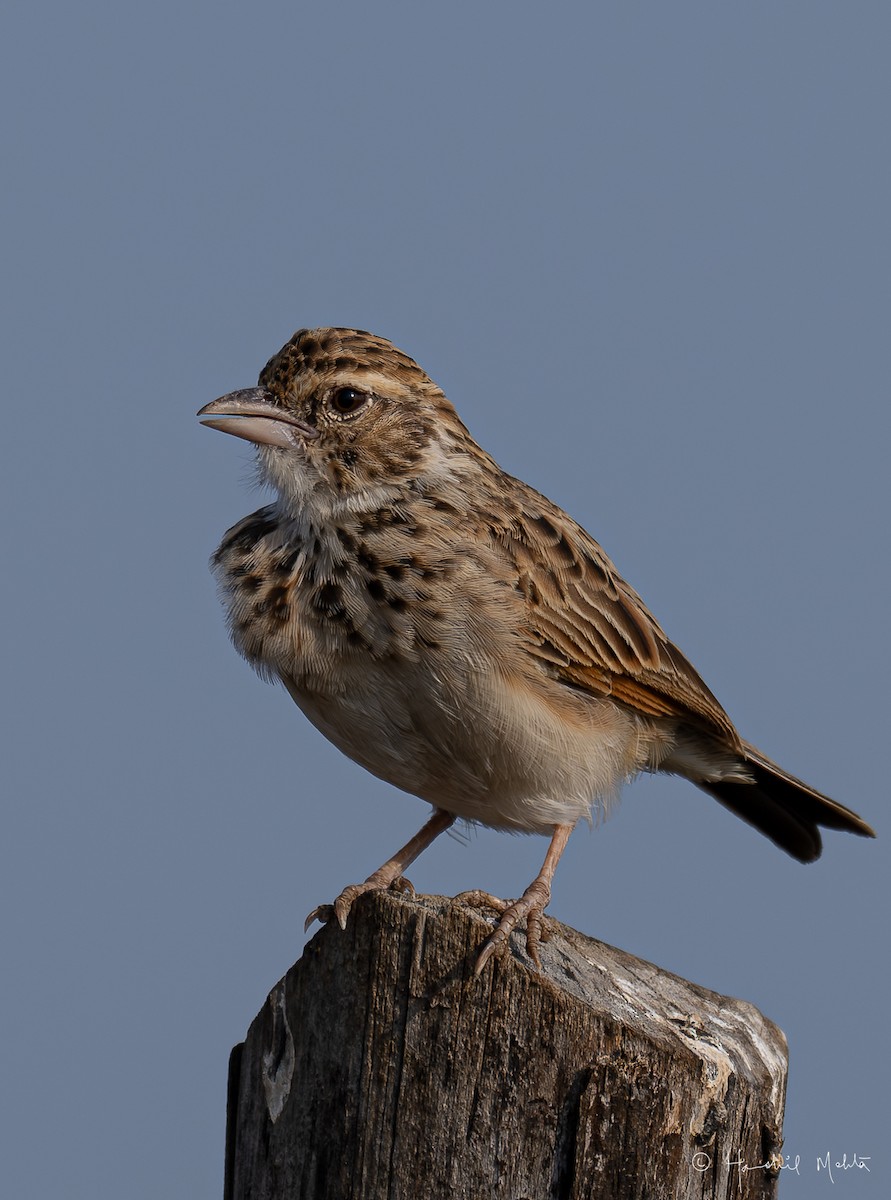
(783, 808)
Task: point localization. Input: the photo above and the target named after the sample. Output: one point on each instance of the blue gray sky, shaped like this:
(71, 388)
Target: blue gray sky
(644, 250)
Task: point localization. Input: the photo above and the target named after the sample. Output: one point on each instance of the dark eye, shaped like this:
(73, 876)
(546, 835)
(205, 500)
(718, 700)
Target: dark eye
(346, 400)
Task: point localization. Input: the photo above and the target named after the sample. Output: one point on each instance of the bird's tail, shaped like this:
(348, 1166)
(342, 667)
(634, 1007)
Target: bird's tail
(783, 808)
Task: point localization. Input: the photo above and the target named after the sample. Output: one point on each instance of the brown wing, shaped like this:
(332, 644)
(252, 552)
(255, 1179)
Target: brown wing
(590, 629)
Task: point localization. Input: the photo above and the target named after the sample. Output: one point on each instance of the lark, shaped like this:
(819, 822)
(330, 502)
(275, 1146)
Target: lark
(454, 631)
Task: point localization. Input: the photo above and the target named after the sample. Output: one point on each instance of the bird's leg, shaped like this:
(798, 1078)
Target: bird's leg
(385, 876)
(531, 904)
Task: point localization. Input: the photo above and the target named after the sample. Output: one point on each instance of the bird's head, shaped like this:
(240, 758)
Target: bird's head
(342, 419)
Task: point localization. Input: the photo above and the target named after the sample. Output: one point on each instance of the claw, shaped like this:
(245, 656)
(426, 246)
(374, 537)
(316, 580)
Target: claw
(340, 909)
(345, 901)
(531, 905)
(489, 948)
(388, 876)
(321, 913)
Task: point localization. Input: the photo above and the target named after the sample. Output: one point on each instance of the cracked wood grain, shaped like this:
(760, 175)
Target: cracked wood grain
(381, 1068)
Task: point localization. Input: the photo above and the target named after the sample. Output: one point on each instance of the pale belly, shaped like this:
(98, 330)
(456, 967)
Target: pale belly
(481, 748)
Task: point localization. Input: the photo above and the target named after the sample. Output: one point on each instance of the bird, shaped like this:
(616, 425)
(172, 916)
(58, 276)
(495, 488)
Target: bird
(455, 632)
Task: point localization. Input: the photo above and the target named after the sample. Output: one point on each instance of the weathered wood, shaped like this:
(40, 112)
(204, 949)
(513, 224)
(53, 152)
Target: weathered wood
(379, 1067)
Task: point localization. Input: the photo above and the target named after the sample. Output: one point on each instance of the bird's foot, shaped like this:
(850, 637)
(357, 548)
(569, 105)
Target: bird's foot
(531, 905)
(340, 909)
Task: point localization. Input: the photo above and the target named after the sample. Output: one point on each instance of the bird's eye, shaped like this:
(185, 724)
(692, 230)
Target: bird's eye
(347, 400)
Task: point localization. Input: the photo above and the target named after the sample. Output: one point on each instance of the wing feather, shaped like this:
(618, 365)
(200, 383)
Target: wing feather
(590, 629)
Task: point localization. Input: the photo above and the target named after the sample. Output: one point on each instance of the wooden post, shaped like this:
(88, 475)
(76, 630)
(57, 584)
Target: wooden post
(380, 1069)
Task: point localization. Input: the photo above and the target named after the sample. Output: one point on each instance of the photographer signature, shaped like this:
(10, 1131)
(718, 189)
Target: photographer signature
(784, 1162)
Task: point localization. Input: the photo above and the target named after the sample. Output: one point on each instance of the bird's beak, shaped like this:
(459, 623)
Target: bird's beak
(252, 414)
